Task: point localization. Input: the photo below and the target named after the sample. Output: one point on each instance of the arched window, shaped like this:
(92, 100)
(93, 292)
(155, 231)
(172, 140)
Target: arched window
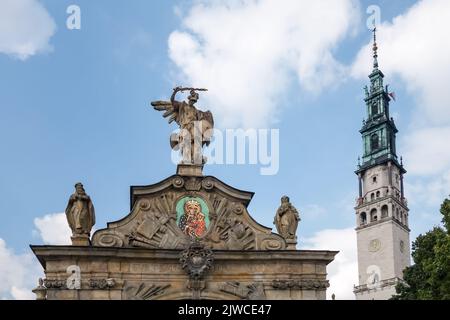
(397, 213)
(372, 196)
(373, 215)
(363, 219)
(384, 211)
(374, 108)
(378, 194)
(374, 142)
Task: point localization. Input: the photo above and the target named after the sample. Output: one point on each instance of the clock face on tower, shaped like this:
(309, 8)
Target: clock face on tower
(374, 245)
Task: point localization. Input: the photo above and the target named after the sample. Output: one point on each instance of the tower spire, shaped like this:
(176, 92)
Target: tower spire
(375, 49)
(381, 209)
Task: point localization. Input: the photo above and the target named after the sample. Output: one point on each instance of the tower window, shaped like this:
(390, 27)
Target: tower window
(363, 219)
(372, 196)
(374, 142)
(384, 211)
(373, 215)
(374, 179)
(378, 194)
(374, 108)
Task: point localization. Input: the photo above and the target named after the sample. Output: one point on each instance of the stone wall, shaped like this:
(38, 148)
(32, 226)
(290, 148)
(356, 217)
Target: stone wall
(144, 274)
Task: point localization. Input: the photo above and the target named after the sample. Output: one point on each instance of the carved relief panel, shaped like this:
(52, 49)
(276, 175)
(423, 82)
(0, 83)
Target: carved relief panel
(170, 214)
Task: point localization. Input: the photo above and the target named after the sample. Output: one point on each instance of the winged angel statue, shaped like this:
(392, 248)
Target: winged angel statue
(196, 127)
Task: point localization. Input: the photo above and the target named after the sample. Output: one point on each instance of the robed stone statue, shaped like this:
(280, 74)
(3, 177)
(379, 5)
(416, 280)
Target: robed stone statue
(80, 215)
(195, 125)
(287, 219)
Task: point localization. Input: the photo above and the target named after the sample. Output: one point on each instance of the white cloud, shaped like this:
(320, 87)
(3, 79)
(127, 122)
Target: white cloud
(429, 191)
(427, 150)
(414, 47)
(25, 28)
(22, 294)
(18, 274)
(246, 52)
(53, 229)
(343, 271)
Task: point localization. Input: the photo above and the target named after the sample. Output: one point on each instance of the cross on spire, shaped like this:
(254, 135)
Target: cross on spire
(375, 49)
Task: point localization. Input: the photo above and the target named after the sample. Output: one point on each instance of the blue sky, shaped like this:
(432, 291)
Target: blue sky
(80, 112)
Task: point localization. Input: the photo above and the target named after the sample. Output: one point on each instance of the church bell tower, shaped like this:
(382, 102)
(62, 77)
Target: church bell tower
(381, 209)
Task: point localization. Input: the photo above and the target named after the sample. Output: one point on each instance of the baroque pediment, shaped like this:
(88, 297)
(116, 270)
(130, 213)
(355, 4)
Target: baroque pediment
(169, 214)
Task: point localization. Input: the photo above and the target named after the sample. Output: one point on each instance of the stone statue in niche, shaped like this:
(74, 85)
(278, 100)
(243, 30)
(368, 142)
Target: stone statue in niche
(287, 219)
(80, 215)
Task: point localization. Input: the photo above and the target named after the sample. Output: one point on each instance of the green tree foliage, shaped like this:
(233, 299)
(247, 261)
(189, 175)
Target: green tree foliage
(429, 277)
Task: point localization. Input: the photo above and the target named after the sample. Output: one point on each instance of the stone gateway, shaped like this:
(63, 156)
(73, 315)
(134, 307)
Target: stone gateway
(188, 236)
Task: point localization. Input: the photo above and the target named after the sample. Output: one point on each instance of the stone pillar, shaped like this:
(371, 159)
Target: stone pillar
(390, 173)
(360, 185)
(401, 187)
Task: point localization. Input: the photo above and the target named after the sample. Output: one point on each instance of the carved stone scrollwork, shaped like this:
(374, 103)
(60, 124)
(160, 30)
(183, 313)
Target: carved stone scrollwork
(254, 291)
(178, 182)
(208, 184)
(158, 218)
(196, 260)
(54, 284)
(144, 204)
(102, 283)
(239, 236)
(238, 208)
(232, 233)
(305, 284)
(272, 244)
(155, 230)
(110, 240)
(193, 184)
(144, 291)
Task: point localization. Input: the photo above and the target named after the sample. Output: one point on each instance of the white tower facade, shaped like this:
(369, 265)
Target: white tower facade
(382, 210)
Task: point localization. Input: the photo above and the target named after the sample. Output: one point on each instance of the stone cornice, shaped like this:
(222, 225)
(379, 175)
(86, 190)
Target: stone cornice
(381, 199)
(381, 285)
(381, 221)
(45, 253)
